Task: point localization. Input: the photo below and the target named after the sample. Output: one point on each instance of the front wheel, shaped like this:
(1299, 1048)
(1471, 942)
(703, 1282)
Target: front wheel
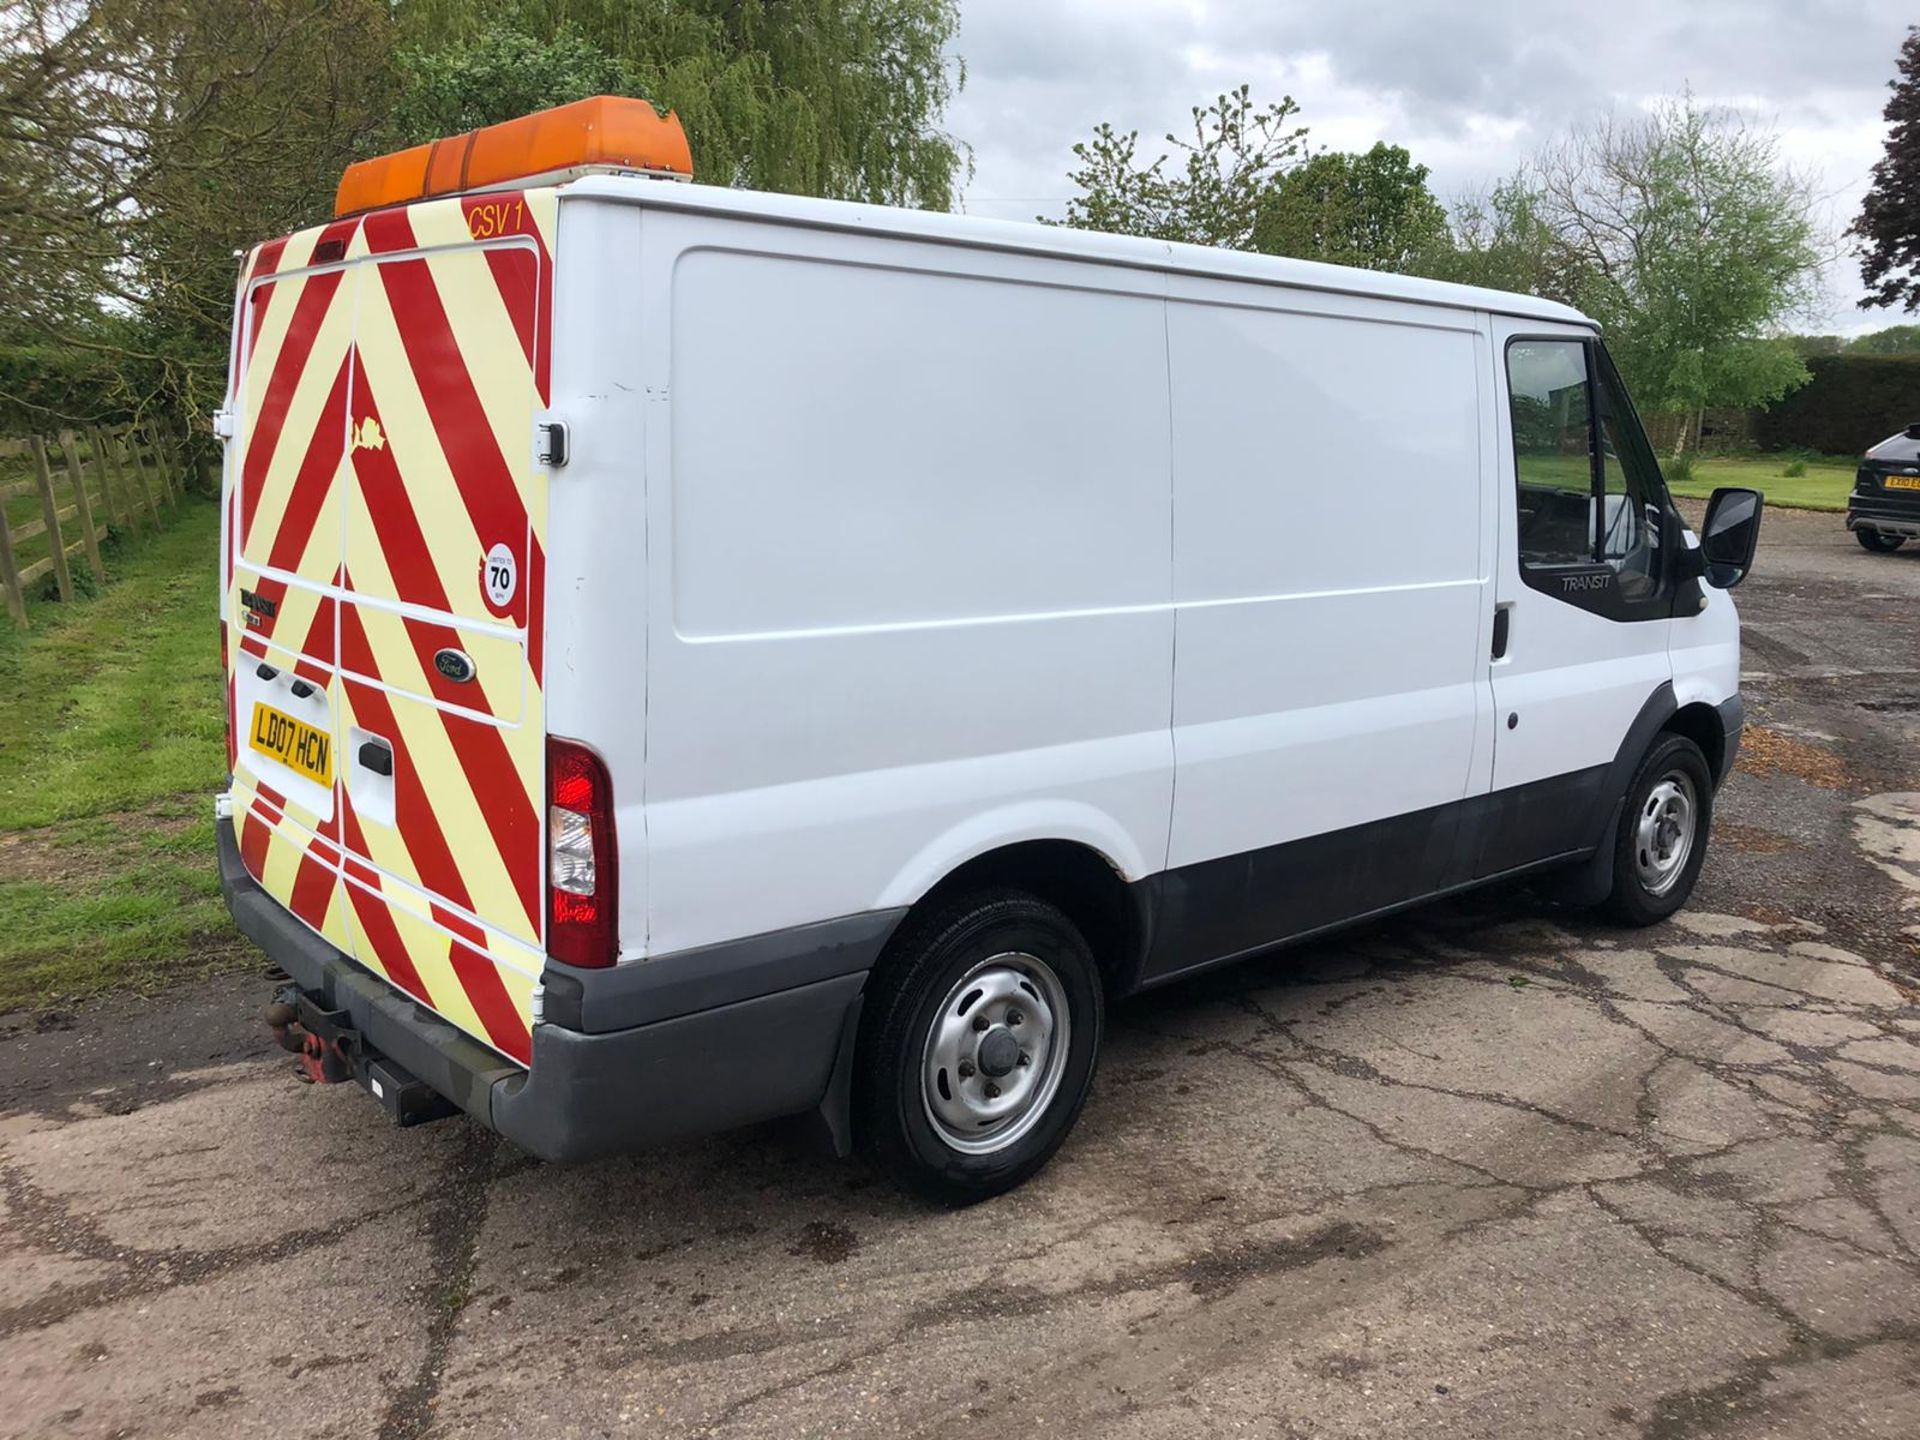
(1878, 543)
(977, 1051)
(1662, 839)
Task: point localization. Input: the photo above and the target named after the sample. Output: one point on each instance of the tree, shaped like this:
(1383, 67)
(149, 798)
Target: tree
(499, 74)
(1502, 241)
(1215, 195)
(1894, 340)
(1889, 221)
(1682, 233)
(816, 97)
(141, 143)
(1372, 210)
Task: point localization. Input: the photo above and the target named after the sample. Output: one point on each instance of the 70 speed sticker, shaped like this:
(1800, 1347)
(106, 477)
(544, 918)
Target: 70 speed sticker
(500, 576)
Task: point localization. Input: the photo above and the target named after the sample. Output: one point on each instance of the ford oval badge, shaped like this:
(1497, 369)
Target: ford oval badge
(456, 665)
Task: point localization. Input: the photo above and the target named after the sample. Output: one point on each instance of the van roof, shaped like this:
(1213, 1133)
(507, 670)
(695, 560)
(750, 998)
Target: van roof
(1065, 243)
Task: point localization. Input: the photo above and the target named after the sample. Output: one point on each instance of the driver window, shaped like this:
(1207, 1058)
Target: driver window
(1547, 385)
(1590, 492)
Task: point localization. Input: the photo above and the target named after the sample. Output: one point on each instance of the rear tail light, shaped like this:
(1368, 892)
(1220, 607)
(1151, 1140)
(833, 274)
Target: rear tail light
(582, 857)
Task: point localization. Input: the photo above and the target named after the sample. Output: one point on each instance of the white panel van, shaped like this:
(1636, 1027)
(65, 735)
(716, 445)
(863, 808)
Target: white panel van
(776, 655)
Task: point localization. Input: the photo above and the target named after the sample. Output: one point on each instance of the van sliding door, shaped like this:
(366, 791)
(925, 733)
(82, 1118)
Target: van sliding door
(1332, 600)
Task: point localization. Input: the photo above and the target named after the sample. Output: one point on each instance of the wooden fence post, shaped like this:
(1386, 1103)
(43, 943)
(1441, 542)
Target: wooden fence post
(88, 539)
(140, 474)
(130, 485)
(167, 487)
(106, 487)
(44, 478)
(10, 573)
(179, 471)
(131, 440)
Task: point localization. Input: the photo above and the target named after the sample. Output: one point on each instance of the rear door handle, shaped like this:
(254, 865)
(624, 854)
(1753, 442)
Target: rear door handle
(376, 757)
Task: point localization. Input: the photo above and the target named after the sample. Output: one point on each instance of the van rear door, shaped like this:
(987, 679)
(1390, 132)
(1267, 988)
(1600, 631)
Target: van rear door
(421, 574)
(281, 525)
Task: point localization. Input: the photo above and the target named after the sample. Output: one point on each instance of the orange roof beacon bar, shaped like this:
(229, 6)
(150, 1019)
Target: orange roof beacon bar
(612, 132)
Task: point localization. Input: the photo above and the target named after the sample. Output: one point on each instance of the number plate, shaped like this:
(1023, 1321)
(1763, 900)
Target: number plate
(1901, 482)
(302, 748)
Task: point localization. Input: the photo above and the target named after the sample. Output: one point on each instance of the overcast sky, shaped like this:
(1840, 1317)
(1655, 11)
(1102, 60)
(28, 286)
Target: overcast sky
(1470, 87)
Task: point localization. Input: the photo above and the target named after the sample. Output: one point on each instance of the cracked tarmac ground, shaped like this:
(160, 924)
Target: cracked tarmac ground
(1492, 1170)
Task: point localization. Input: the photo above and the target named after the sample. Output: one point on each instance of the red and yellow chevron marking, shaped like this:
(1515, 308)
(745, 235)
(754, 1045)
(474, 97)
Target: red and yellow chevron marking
(387, 411)
(291, 863)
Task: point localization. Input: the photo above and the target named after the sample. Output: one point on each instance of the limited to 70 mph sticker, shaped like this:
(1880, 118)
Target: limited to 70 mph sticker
(501, 576)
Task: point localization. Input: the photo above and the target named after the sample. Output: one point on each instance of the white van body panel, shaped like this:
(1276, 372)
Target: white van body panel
(1705, 652)
(1327, 504)
(597, 519)
(886, 634)
(888, 540)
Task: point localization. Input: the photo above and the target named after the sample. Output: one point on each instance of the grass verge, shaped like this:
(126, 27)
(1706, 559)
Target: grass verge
(1824, 486)
(110, 752)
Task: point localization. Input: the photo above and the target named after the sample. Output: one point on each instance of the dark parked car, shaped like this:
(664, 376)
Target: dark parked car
(1884, 510)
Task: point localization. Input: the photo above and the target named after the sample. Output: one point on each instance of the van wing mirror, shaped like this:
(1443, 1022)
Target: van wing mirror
(1730, 535)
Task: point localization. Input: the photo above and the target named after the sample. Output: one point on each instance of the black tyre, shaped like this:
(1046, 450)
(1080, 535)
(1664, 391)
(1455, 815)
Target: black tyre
(1662, 839)
(977, 1045)
(1880, 544)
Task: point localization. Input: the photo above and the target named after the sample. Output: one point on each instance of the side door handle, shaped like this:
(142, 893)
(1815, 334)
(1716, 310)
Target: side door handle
(1501, 624)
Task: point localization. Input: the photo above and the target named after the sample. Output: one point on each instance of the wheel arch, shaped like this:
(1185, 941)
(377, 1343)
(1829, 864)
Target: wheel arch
(1700, 722)
(1081, 879)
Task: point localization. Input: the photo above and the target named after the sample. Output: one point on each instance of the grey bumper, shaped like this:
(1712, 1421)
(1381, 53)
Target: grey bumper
(1889, 512)
(753, 1058)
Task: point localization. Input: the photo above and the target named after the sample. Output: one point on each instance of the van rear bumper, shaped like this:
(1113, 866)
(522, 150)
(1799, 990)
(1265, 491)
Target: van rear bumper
(753, 1058)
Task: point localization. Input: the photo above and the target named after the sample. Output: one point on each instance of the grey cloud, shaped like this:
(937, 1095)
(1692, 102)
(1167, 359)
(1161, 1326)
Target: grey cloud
(1446, 61)
(1439, 76)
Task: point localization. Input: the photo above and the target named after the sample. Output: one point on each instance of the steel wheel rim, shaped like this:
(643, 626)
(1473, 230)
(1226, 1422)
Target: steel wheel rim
(1664, 830)
(995, 1053)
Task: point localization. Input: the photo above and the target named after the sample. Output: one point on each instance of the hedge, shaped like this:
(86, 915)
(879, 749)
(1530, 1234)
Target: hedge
(1852, 402)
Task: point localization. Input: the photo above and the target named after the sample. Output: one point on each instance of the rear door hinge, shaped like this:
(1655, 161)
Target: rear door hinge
(552, 443)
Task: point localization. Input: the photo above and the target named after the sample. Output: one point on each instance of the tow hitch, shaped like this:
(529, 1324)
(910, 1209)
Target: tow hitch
(329, 1050)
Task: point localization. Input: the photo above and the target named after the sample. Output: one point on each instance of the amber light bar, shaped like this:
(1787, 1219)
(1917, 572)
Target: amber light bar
(608, 130)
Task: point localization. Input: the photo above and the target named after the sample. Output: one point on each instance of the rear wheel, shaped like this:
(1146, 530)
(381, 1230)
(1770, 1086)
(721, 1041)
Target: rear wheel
(978, 1048)
(1662, 839)
(1878, 543)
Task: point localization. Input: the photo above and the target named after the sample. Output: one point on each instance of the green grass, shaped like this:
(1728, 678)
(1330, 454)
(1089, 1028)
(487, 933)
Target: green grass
(1823, 483)
(111, 748)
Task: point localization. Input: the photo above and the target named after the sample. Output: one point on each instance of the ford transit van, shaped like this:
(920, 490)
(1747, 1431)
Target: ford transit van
(696, 656)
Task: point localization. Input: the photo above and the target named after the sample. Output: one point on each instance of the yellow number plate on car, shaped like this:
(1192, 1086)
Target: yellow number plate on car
(1902, 482)
(294, 743)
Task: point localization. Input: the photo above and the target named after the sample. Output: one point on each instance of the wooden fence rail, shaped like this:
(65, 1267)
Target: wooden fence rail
(73, 489)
